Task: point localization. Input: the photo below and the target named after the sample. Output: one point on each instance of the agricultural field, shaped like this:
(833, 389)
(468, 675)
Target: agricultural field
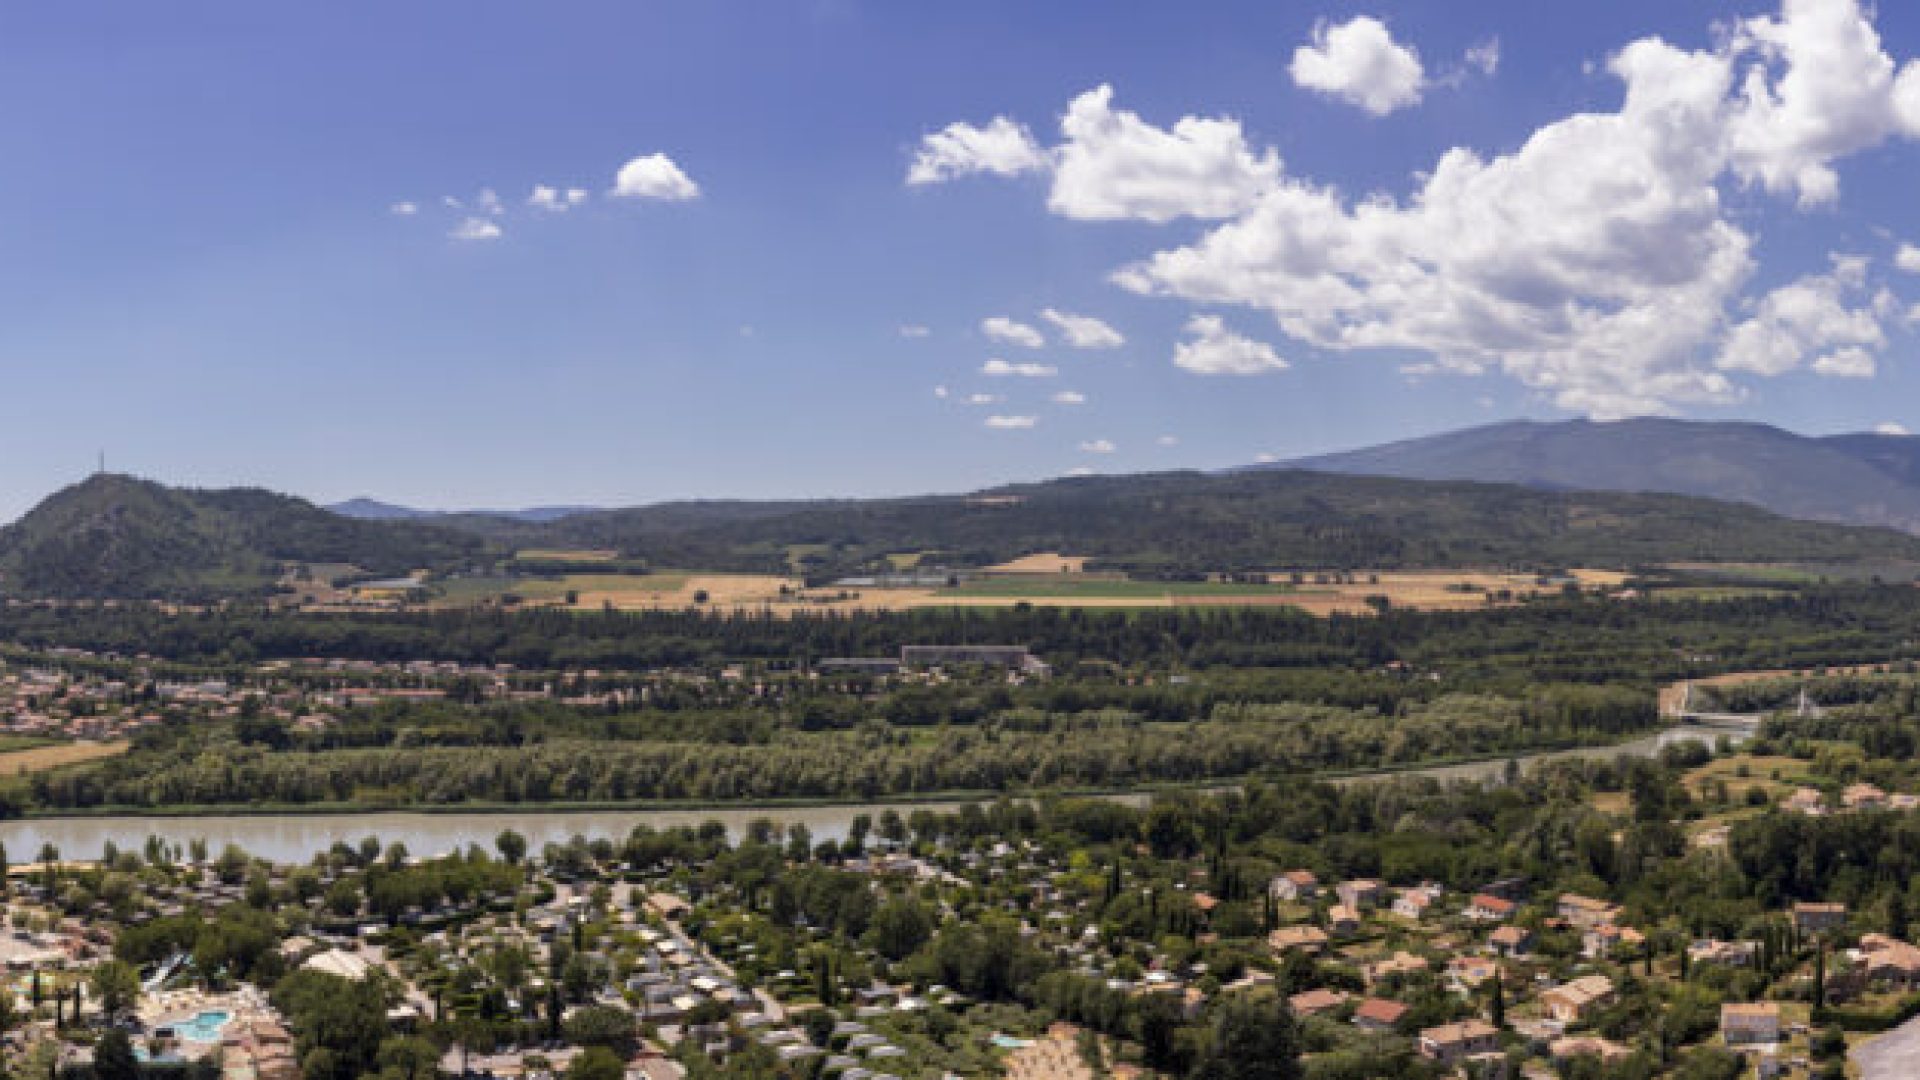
(54, 755)
(1070, 587)
(1031, 584)
(1049, 562)
(587, 555)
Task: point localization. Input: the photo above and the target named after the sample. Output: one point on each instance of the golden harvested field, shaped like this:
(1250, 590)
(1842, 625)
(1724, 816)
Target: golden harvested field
(672, 591)
(1422, 590)
(42, 758)
(1438, 590)
(783, 595)
(1049, 562)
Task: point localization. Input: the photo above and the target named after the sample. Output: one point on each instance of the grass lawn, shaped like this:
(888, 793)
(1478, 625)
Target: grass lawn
(1776, 775)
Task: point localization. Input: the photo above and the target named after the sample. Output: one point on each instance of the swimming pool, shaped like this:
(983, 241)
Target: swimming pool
(202, 1028)
(1008, 1042)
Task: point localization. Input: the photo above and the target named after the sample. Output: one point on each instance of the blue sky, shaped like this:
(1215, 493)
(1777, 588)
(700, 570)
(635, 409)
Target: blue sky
(203, 274)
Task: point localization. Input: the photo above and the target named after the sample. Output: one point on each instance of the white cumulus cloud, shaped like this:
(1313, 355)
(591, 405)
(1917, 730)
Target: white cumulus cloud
(1216, 350)
(1084, 331)
(1359, 62)
(1013, 332)
(1596, 263)
(1907, 259)
(1851, 362)
(654, 176)
(1112, 165)
(998, 368)
(914, 331)
(1011, 423)
(1889, 427)
(1816, 87)
(1098, 446)
(1069, 397)
(1812, 318)
(404, 209)
(1002, 148)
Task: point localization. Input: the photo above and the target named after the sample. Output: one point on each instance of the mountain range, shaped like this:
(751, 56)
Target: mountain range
(116, 537)
(1862, 479)
(367, 509)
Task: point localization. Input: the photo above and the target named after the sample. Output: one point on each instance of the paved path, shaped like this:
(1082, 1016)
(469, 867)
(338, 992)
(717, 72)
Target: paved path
(1893, 1056)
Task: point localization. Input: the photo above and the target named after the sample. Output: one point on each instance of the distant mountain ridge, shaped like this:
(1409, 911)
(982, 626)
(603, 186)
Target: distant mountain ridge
(1862, 479)
(115, 537)
(367, 509)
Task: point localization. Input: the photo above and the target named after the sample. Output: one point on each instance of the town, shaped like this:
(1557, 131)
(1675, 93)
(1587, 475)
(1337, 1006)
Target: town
(1587, 918)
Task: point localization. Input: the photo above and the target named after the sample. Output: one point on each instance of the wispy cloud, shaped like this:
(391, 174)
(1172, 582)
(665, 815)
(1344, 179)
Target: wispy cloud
(475, 229)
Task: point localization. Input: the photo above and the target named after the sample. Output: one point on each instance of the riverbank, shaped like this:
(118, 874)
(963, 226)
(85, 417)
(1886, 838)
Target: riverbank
(1438, 766)
(295, 836)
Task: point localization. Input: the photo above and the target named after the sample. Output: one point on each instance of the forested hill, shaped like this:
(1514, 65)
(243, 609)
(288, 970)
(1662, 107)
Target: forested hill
(116, 537)
(119, 537)
(1183, 523)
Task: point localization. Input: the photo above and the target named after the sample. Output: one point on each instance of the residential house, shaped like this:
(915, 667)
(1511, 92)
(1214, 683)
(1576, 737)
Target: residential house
(1747, 1024)
(1572, 1002)
(1361, 893)
(1413, 903)
(1511, 941)
(1450, 1043)
(1485, 907)
(1585, 912)
(1807, 801)
(1466, 973)
(1604, 940)
(1309, 939)
(1890, 962)
(1295, 886)
(1863, 797)
(1400, 963)
(1315, 1002)
(1724, 953)
(1378, 1014)
(1819, 918)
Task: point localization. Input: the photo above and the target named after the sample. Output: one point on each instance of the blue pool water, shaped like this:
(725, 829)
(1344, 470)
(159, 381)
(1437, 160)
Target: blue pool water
(1008, 1042)
(203, 1028)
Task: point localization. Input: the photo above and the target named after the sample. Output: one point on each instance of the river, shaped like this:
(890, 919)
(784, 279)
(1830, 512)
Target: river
(297, 837)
